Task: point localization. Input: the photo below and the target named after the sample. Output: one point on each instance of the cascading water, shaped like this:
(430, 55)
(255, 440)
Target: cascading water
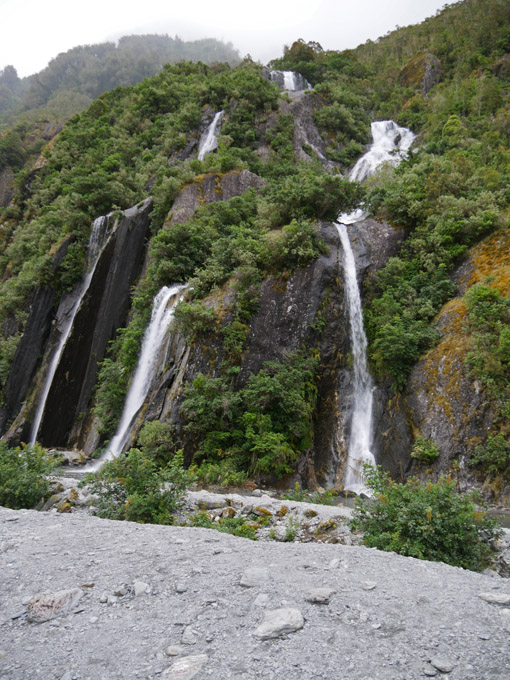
(290, 81)
(209, 140)
(99, 237)
(390, 144)
(162, 315)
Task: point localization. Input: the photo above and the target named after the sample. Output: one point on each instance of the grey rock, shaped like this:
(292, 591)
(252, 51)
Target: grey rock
(254, 576)
(501, 599)
(319, 595)
(186, 668)
(278, 622)
(443, 664)
(174, 650)
(189, 636)
(369, 585)
(46, 605)
(140, 588)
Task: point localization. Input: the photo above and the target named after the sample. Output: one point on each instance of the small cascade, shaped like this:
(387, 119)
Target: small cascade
(209, 140)
(290, 81)
(162, 314)
(390, 144)
(99, 236)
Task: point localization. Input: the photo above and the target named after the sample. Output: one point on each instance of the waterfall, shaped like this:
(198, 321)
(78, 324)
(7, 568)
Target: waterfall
(209, 140)
(99, 237)
(290, 81)
(162, 314)
(390, 144)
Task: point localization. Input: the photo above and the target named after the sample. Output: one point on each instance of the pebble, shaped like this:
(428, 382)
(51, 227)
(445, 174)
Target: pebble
(443, 664)
(189, 636)
(174, 650)
(181, 588)
(369, 585)
(278, 622)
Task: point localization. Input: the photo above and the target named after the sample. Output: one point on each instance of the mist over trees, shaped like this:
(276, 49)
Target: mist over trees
(73, 79)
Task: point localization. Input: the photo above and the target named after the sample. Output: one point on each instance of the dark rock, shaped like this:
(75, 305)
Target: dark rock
(30, 347)
(103, 310)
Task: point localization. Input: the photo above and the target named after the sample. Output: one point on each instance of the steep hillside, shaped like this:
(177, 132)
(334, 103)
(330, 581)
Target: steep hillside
(256, 375)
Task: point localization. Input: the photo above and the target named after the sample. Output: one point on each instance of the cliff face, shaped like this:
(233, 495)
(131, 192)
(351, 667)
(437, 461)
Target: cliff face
(443, 400)
(103, 309)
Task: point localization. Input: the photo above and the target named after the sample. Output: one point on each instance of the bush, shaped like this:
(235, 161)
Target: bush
(425, 450)
(23, 476)
(427, 521)
(132, 487)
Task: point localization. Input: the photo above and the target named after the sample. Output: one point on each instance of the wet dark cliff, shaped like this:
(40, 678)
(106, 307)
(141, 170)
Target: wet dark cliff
(102, 311)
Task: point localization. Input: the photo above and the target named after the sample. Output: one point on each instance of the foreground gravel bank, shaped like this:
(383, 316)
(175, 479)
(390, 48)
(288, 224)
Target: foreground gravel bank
(147, 601)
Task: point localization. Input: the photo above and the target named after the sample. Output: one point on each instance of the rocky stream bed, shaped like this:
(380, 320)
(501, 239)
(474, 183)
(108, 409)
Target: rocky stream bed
(87, 598)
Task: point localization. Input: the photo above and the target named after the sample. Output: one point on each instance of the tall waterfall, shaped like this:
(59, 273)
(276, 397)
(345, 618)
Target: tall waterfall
(162, 315)
(209, 140)
(99, 236)
(390, 144)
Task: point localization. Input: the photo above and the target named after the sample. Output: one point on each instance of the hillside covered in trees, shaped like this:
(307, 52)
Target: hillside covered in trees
(256, 380)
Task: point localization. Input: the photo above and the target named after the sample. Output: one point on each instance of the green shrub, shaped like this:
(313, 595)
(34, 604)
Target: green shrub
(133, 488)
(24, 475)
(425, 450)
(428, 521)
(157, 440)
(236, 526)
(494, 457)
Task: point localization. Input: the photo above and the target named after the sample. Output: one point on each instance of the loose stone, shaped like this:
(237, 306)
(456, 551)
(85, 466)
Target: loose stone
(502, 599)
(278, 622)
(319, 595)
(186, 668)
(174, 650)
(443, 664)
(140, 588)
(254, 576)
(46, 606)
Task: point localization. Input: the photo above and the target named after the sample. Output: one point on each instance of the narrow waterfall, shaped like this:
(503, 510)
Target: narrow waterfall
(99, 236)
(162, 315)
(209, 140)
(390, 144)
(361, 422)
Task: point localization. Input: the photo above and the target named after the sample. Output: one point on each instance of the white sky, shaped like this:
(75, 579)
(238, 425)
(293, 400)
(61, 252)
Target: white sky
(32, 32)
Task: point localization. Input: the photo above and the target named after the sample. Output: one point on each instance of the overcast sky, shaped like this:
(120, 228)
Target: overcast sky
(34, 31)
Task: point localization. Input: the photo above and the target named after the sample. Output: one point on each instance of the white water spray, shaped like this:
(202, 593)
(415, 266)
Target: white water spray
(162, 314)
(390, 144)
(99, 237)
(209, 140)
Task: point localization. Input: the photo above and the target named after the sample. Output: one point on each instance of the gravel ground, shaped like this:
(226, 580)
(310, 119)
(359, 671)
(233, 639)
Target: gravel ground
(148, 601)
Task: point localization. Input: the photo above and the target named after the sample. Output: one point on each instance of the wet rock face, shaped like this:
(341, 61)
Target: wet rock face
(31, 345)
(104, 309)
(305, 310)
